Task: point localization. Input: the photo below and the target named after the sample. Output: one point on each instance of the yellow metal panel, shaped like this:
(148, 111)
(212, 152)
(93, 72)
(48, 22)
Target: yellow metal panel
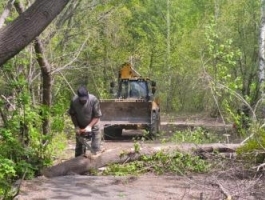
(127, 72)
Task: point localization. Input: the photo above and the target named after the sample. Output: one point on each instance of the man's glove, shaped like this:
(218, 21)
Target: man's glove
(88, 129)
(77, 130)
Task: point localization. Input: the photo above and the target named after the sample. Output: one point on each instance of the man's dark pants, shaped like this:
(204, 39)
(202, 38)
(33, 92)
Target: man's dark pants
(80, 149)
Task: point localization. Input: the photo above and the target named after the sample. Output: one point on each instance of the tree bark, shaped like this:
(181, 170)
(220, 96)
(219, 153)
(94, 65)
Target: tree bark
(262, 49)
(83, 164)
(19, 33)
(46, 83)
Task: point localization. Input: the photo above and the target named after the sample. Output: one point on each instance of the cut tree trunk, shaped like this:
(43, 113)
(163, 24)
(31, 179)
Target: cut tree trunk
(85, 163)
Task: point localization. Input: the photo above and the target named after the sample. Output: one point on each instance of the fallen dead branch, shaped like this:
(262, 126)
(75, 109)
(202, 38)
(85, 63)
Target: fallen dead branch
(224, 191)
(83, 164)
(259, 167)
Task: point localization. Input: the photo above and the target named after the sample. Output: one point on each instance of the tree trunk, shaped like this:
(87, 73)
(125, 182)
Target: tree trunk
(46, 75)
(46, 83)
(82, 164)
(262, 49)
(19, 33)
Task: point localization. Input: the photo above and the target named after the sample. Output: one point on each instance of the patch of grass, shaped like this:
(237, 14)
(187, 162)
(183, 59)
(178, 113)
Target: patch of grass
(197, 136)
(252, 152)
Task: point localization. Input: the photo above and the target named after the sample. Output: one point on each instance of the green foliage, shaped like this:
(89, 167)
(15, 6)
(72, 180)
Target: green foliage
(202, 54)
(7, 175)
(229, 50)
(197, 136)
(24, 149)
(57, 146)
(136, 147)
(252, 152)
(7, 169)
(160, 163)
(240, 119)
(58, 116)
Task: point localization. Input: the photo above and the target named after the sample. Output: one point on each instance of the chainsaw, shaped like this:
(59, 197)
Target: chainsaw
(85, 139)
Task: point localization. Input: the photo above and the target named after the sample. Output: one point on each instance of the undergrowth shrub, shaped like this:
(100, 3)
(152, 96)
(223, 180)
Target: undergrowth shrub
(25, 150)
(253, 151)
(160, 163)
(197, 136)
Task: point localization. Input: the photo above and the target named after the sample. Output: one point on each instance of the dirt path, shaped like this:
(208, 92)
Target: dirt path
(144, 187)
(129, 188)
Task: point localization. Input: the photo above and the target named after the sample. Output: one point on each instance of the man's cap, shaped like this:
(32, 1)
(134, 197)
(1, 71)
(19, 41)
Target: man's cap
(82, 93)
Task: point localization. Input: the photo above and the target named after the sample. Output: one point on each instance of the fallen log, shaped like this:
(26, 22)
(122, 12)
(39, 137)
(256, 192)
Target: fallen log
(85, 163)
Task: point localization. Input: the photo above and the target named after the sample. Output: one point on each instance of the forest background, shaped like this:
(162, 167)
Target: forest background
(203, 55)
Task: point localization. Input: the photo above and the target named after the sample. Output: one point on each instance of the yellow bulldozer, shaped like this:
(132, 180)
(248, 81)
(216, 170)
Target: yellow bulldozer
(133, 105)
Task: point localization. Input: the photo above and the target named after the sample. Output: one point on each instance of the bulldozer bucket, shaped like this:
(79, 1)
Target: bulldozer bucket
(125, 112)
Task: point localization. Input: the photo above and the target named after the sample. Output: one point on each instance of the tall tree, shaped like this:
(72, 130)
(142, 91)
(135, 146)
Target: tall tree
(19, 33)
(262, 49)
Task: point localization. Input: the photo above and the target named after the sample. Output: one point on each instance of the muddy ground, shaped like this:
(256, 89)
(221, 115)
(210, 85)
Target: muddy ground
(221, 183)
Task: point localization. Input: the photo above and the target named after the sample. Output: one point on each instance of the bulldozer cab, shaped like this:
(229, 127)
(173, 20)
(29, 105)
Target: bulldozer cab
(133, 89)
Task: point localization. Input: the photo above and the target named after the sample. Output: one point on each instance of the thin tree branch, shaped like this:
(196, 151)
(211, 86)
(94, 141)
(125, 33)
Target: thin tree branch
(74, 59)
(224, 191)
(67, 82)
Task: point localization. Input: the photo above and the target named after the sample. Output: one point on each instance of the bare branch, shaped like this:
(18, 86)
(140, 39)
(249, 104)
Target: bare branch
(224, 191)
(74, 59)
(67, 82)
(259, 167)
